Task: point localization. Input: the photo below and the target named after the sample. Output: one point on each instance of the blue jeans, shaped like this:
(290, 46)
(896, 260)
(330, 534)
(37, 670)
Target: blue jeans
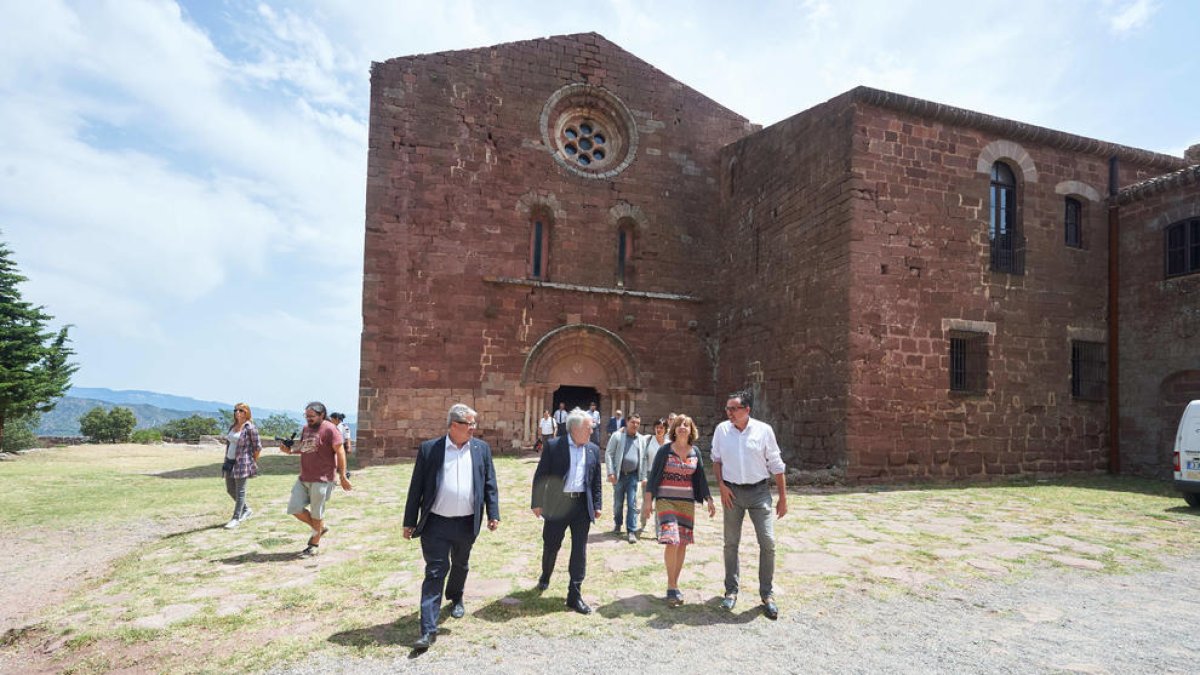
(625, 499)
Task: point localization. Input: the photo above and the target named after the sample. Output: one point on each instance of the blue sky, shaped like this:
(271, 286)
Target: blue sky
(184, 182)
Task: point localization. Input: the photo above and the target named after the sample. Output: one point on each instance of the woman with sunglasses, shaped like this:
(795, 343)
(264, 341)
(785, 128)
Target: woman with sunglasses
(242, 448)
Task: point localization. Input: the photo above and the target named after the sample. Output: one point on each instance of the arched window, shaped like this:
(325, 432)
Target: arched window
(1073, 223)
(625, 240)
(539, 245)
(1007, 244)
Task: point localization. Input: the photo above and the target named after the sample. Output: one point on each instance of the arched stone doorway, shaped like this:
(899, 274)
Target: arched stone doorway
(579, 356)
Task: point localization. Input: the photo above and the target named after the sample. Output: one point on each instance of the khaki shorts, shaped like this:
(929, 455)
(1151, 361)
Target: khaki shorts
(312, 495)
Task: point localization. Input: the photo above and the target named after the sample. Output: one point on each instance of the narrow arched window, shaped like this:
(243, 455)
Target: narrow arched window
(1007, 244)
(539, 246)
(625, 240)
(1073, 223)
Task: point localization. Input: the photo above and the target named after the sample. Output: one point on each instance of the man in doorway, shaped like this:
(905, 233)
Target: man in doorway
(746, 458)
(614, 423)
(560, 418)
(566, 495)
(453, 480)
(594, 414)
(546, 428)
(322, 459)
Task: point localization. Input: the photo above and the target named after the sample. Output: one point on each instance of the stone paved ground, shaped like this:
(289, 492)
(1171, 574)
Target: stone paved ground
(957, 566)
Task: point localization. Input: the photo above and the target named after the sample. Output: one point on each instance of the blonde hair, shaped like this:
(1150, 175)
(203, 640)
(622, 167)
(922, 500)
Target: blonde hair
(693, 432)
(244, 408)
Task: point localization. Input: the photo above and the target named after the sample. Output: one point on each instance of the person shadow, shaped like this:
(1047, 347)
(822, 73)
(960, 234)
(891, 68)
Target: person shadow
(658, 614)
(260, 557)
(523, 604)
(398, 633)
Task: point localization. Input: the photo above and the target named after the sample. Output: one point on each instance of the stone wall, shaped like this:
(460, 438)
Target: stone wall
(1160, 323)
(462, 160)
(920, 268)
(784, 267)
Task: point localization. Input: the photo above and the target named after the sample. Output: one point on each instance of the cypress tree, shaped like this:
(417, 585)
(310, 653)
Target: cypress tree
(35, 367)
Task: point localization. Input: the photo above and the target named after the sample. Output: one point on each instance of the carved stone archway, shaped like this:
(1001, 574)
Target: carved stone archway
(579, 355)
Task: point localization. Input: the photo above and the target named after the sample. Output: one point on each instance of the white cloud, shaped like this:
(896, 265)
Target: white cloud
(1126, 17)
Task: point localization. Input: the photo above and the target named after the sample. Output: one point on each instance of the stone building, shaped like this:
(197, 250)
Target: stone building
(910, 289)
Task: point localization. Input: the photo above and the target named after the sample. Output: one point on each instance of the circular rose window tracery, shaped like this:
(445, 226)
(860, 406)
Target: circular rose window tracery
(589, 131)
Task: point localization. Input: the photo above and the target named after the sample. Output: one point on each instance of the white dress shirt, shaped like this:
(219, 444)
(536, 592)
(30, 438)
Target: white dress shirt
(454, 497)
(546, 426)
(576, 475)
(748, 456)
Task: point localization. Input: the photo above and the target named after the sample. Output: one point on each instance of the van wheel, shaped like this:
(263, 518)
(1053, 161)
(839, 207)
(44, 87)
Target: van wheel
(1192, 499)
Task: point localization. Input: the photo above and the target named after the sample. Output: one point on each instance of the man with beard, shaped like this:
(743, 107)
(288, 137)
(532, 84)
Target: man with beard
(322, 460)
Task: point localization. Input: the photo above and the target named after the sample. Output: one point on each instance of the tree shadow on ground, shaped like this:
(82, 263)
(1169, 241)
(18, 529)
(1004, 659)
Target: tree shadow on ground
(399, 633)
(268, 465)
(659, 615)
(260, 557)
(521, 604)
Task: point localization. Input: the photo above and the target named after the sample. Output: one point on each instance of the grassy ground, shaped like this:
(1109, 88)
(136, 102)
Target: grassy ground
(210, 600)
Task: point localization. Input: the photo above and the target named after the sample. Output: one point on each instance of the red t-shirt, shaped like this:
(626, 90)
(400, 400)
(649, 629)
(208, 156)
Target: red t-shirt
(318, 462)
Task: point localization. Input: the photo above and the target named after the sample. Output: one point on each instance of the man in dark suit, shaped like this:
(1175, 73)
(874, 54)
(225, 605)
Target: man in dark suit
(566, 494)
(452, 481)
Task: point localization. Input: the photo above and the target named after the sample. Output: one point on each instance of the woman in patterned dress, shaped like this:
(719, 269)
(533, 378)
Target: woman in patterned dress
(676, 483)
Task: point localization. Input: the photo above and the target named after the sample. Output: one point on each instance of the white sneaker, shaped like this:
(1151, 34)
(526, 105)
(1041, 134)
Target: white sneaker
(233, 522)
(246, 514)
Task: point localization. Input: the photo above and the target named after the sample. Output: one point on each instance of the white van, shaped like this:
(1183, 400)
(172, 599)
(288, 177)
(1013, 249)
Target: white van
(1187, 455)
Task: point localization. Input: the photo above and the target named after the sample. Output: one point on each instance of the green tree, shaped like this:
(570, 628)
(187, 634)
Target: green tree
(278, 424)
(190, 428)
(35, 367)
(22, 433)
(108, 426)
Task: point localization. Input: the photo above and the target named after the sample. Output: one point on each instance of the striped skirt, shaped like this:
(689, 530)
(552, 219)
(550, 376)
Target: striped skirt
(676, 518)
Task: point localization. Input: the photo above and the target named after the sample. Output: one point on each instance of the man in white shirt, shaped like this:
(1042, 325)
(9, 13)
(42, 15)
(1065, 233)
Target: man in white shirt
(746, 459)
(546, 429)
(453, 480)
(560, 418)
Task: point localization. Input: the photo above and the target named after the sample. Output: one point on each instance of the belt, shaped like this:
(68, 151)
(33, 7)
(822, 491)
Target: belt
(574, 495)
(627, 473)
(746, 485)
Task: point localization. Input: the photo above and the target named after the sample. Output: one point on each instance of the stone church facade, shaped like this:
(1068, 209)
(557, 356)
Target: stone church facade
(911, 290)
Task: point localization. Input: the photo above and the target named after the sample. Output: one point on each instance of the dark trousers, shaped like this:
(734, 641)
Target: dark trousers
(446, 545)
(579, 521)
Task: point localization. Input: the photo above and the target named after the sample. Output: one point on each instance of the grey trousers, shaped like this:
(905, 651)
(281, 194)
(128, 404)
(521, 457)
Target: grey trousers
(236, 487)
(755, 500)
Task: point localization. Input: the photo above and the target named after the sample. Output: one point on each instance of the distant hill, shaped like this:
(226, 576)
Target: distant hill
(150, 407)
(64, 419)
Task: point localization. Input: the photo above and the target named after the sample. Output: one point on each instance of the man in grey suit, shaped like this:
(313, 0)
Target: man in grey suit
(567, 495)
(453, 480)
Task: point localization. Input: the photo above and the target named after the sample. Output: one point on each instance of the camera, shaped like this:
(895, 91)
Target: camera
(287, 442)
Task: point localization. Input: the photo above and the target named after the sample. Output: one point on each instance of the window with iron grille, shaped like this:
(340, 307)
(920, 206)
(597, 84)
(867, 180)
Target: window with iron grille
(1007, 244)
(1183, 248)
(968, 362)
(1089, 370)
(1073, 222)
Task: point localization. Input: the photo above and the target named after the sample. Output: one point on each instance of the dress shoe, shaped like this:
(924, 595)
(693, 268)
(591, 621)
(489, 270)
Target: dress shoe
(579, 606)
(458, 611)
(425, 641)
(770, 609)
(616, 530)
(729, 602)
(542, 585)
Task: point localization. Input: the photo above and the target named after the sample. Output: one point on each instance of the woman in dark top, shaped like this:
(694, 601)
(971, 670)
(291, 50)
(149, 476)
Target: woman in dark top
(675, 484)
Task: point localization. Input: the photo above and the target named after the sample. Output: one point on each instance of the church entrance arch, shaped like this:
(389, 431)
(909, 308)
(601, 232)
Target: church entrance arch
(579, 364)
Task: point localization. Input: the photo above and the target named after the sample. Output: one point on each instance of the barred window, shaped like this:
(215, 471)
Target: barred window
(1073, 223)
(1089, 370)
(968, 362)
(1183, 248)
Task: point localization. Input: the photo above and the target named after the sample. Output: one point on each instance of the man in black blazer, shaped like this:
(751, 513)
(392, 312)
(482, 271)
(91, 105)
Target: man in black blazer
(566, 494)
(452, 481)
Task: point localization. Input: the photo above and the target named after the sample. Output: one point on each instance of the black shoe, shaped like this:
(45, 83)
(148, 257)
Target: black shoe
(616, 530)
(729, 602)
(425, 641)
(309, 551)
(770, 609)
(458, 611)
(542, 585)
(579, 606)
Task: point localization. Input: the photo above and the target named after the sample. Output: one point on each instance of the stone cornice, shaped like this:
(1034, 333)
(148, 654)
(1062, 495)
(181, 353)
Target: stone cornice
(1152, 186)
(600, 290)
(1006, 128)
